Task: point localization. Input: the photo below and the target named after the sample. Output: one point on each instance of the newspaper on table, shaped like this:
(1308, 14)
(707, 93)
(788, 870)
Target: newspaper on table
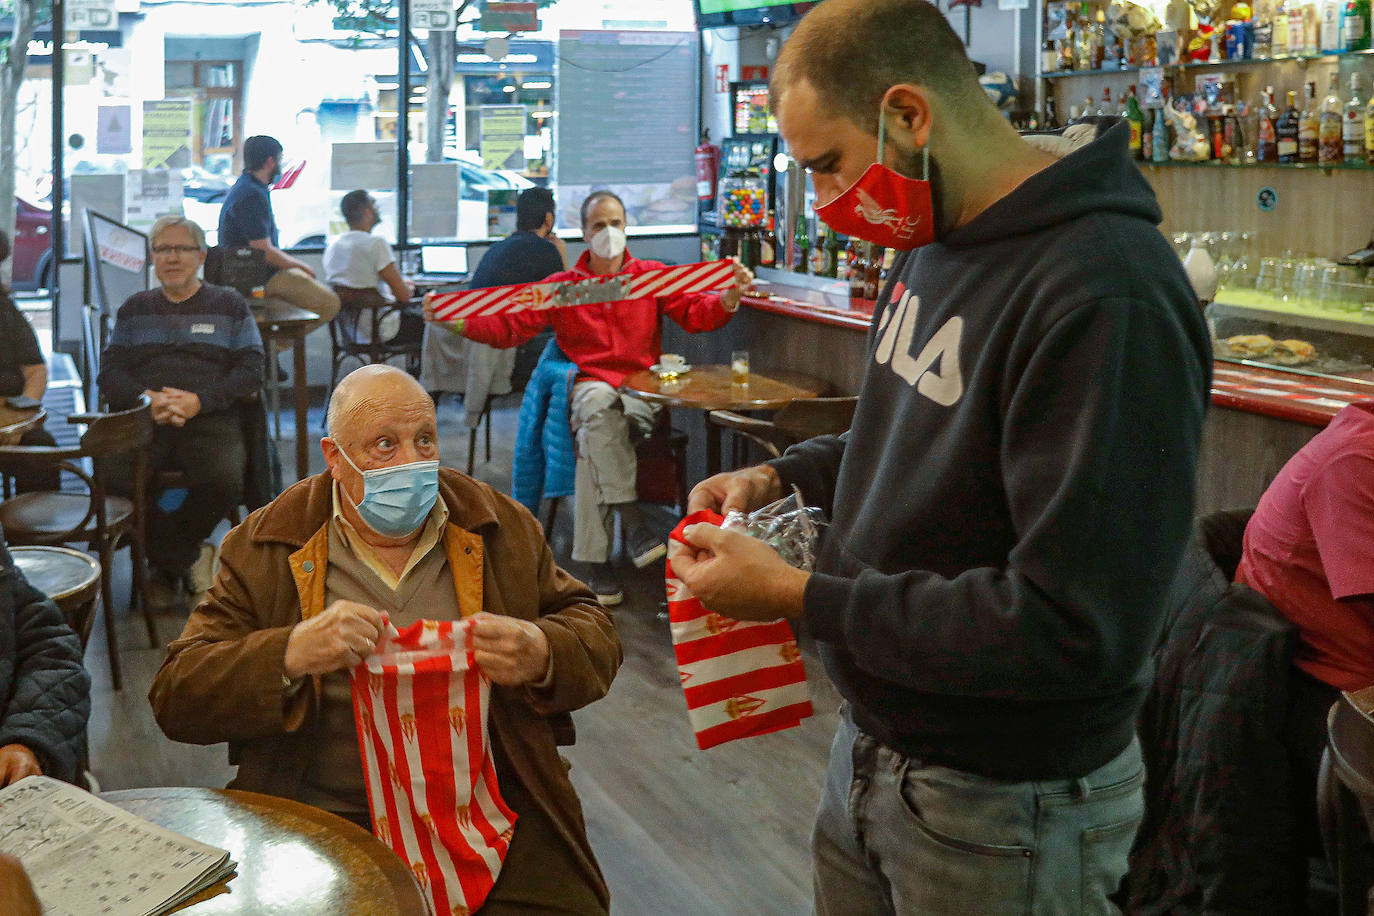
(87, 857)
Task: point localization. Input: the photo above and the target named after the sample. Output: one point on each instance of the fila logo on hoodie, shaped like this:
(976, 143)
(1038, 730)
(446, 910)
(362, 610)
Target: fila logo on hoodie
(943, 384)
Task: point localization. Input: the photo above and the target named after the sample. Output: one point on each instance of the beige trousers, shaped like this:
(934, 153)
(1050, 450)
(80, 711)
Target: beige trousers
(304, 291)
(605, 424)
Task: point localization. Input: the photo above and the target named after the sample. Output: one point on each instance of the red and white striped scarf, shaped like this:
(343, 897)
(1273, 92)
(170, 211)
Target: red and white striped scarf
(420, 704)
(740, 678)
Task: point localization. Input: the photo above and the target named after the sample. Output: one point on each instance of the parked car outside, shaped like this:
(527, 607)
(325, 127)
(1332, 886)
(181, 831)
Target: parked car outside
(32, 267)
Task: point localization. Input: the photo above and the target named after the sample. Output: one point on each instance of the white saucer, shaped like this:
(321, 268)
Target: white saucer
(660, 369)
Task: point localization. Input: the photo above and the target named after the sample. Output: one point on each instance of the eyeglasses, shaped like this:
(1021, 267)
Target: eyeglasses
(164, 251)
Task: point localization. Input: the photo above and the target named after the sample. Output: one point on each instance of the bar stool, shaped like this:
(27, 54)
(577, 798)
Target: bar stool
(1345, 796)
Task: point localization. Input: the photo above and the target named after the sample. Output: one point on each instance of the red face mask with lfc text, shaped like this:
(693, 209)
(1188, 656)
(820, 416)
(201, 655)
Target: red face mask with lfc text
(884, 207)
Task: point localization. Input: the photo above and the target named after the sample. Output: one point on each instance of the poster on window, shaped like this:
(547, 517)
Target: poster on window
(434, 200)
(435, 15)
(367, 164)
(167, 134)
(114, 130)
(150, 194)
(92, 14)
(503, 137)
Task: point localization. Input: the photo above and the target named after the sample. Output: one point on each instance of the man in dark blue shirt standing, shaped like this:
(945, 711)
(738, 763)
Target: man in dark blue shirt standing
(528, 255)
(246, 219)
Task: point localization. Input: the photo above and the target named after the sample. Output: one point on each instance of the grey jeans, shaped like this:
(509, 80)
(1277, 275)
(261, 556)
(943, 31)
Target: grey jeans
(603, 421)
(894, 835)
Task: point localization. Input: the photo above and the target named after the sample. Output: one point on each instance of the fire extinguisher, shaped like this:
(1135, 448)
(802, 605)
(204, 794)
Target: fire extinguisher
(707, 157)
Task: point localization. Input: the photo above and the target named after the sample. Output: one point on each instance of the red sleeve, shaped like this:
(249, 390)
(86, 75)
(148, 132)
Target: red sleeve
(1339, 501)
(696, 312)
(502, 331)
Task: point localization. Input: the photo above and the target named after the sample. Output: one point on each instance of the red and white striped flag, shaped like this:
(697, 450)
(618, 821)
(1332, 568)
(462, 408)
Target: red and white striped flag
(740, 678)
(662, 281)
(420, 704)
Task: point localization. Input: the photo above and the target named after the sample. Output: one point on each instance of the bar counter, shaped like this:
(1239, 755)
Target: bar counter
(1260, 416)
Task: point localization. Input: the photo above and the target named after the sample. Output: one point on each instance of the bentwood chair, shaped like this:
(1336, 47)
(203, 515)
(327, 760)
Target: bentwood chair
(101, 521)
(1345, 797)
(799, 419)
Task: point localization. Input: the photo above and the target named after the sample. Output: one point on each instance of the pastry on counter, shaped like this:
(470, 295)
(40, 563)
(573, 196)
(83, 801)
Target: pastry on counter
(1292, 352)
(1250, 346)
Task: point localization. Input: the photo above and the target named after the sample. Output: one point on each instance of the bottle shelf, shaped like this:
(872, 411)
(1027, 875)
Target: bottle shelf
(1248, 166)
(1302, 59)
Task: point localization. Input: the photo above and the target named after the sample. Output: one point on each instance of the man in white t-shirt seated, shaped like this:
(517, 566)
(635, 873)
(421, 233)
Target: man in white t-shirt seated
(357, 263)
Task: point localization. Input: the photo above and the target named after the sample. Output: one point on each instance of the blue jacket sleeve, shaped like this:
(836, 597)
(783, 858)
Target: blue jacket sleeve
(1100, 442)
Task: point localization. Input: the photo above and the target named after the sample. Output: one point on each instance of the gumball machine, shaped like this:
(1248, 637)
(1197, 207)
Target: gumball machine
(742, 211)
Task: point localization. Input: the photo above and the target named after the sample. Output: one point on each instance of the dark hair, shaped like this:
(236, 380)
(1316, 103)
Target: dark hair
(853, 51)
(593, 197)
(257, 149)
(531, 207)
(354, 205)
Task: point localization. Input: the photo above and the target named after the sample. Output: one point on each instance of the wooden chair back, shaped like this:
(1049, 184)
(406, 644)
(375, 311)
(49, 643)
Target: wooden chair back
(797, 420)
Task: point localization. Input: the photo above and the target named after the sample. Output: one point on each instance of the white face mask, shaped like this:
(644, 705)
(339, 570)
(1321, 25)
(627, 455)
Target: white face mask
(608, 243)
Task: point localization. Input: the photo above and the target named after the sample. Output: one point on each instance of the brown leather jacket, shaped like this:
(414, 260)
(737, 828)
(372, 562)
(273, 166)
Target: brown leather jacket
(223, 679)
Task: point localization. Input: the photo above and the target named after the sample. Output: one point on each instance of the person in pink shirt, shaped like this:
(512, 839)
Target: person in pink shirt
(1309, 549)
(608, 341)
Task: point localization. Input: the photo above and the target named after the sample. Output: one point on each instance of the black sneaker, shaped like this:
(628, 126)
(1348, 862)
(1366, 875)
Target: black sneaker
(645, 547)
(606, 588)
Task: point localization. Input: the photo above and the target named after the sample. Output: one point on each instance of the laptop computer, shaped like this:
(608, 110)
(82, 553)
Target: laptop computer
(443, 263)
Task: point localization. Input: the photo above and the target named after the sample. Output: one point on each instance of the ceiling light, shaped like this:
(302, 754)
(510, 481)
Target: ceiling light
(537, 84)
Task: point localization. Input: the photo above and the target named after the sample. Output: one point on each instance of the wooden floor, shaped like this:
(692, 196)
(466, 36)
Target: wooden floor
(677, 830)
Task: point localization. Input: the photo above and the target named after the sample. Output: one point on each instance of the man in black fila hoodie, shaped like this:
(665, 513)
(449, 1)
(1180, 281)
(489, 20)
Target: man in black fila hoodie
(1010, 504)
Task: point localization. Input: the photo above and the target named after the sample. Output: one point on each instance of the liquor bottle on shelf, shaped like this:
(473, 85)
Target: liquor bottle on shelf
(1369, 131)
(1286, 129)
(768, 244)
(1330, 143)
(830, 260)
(1297, 35)
(1352, 127)
(1083, 40)
(1066, 47)
(1279, 33)
(818, 252)
(1051, 117)
(1331, 27)
(857, 266)
(1266, 141)
(1355, 26)
(873, 269)
(1104, 108)
(1311, 26)
(1263, 46)
(1049, 56)
(1147, 137)
(1137, 121)
(1309, 125)
(1099, 40)
(801, 245)
(1159, 151)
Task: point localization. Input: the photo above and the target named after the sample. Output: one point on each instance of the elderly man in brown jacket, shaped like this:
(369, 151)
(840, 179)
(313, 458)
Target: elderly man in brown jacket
(264, 660)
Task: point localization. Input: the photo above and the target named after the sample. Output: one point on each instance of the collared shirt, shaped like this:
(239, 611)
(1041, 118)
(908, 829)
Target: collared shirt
(431, 535)
(246, 214)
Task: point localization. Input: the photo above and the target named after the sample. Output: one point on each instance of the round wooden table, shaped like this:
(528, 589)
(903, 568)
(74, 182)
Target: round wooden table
(708, 388)
(69, 577)
(292, 858)
(14, 423)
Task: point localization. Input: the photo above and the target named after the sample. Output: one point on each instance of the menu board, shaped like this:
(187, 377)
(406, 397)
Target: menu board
(626, 118)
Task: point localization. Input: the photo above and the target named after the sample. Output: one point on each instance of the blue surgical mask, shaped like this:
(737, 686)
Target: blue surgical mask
(396, 500)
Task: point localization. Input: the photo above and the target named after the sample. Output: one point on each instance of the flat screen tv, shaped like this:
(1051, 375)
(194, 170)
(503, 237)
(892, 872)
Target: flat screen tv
(713, 14)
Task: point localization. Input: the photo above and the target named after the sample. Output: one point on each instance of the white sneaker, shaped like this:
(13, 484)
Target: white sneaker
(205, 567)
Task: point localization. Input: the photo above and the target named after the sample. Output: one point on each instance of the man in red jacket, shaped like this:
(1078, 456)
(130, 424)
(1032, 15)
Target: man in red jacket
(608, 341)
